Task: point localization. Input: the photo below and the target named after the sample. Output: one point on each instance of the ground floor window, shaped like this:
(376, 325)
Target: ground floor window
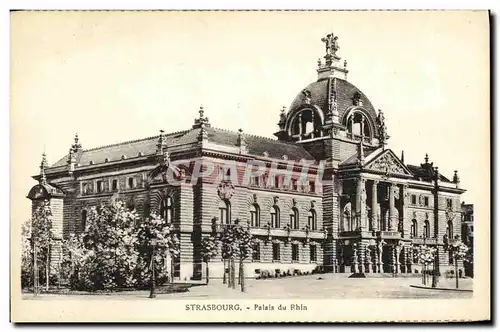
(276, 251)
(313, 254)
(256, 252)
(295, 252)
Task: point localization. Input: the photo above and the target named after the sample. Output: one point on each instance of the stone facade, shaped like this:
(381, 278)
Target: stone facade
(327, 193)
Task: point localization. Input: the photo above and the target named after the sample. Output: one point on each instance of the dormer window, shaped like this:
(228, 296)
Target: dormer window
(358, 126)
(306, 125)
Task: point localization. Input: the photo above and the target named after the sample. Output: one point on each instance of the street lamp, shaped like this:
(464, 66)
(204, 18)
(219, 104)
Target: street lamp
(152, 294)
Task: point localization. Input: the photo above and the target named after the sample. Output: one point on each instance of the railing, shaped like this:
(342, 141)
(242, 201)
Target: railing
(276, 232)
(349, 233)
(389, 234)
(420, 240)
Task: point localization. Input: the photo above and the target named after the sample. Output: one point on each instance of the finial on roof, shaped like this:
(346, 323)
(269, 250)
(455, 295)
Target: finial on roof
(319, 63)
(201, 119)
(426, 158)
(76, 146)
(403, 156)
(456, 178)
(43, 167)
(161, 145)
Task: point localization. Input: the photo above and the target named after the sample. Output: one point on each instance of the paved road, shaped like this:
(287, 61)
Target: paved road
(305, 287)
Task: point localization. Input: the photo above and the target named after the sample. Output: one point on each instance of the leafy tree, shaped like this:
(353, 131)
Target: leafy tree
(458, 250)
(236, 243)
(157, 242)
(426, 256)
(26, 255)
(109, 254)
(208, 251)
(41, 237)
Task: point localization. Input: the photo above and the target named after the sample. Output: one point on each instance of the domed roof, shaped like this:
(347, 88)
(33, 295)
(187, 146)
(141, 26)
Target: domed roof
(346, 93)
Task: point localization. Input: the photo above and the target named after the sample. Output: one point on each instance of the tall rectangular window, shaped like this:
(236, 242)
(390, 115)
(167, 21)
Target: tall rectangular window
(426, 201)
(276, 251)
(114, 184)
(312, 252)
(131, 183)
(414, 199)
(277, 181)
(256, 252)
(100, 186)
(295, 252)
(294, 184)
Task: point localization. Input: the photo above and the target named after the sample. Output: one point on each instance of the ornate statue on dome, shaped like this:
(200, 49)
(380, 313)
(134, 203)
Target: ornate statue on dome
(331, 44)
(282, 121)
(382, 128)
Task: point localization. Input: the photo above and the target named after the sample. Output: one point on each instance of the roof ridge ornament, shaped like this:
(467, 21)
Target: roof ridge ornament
(76, 146)
(382, 129)
(43, 167)
(201, 120)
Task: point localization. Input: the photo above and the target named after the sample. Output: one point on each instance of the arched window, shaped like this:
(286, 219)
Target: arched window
(167, 209)
(358, 126)
(427, 229)
(275, 217)
(311, 220)
(294, 219)
(84, 220)
(449, 230)
(414, 228)
(225, 212)
(305, 125)
(254, 215)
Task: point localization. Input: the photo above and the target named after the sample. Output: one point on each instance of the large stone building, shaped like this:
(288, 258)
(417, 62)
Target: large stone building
(327, 192)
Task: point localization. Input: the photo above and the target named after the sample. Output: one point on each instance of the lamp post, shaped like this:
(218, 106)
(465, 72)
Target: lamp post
(152, 293)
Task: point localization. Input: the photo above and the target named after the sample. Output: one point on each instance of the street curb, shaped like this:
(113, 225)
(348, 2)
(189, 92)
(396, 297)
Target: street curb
(444, 289)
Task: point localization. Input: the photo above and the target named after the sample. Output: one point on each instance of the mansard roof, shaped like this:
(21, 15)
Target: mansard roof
(255, 145)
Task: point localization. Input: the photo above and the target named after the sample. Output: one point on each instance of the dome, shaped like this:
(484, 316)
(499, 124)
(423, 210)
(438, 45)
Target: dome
(346, 97)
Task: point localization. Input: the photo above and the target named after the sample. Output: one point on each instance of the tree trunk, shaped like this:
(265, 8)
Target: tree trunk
(229, 274)
(224, 275)
(233, 273)
(35, 270)
(423, 274)
(47, 268)
(242, 275)
(456, 272)
(207, 272)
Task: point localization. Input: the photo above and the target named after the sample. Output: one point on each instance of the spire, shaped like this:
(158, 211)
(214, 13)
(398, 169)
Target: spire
(456, 178)
(332, 66)
(403, 156)
(201, 119)
(43, 167)
(76, 146)
(426, 158)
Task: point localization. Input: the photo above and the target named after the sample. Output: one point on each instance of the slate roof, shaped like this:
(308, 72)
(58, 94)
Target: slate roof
(425, 173)
(256, 145)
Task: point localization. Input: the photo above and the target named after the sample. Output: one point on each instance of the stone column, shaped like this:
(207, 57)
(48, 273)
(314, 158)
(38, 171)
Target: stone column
(312, 119)
(391, 207)
(355, 258)
(375, 210)
(404, 211)
(393, 260)
(380, 263)
(301, 126)
(369, 267)
(361, 203)
(398, 263)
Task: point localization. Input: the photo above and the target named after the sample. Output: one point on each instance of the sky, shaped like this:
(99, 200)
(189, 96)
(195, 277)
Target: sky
(117, 76)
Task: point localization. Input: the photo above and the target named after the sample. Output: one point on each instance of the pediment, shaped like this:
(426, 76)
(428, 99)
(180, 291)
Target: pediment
(387, 163)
